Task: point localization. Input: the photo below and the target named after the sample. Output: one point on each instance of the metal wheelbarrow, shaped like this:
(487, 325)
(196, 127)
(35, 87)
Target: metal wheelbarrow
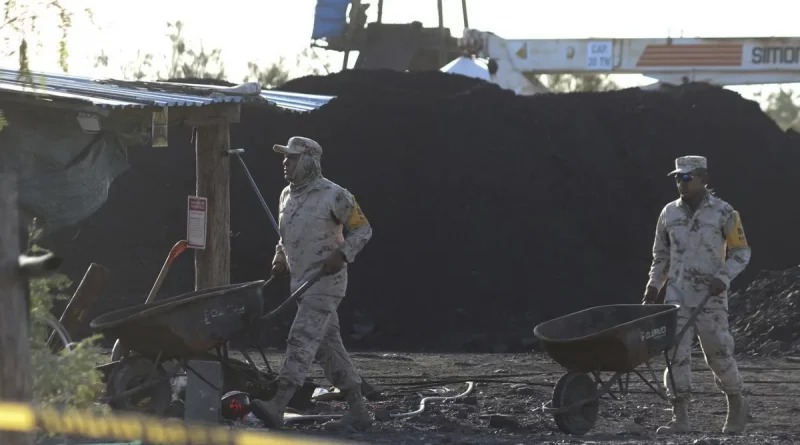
(613, 338)
(182, 328)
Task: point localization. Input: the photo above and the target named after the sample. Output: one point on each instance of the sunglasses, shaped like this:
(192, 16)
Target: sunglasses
(683, 177)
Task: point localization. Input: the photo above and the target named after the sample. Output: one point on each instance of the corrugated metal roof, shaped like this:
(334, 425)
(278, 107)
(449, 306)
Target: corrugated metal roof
(295, 101)
(113, 94)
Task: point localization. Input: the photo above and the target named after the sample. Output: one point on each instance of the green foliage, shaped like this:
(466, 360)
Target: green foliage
(187, 63)
(782, 107)
(184, 62)
(63, 378)
(270, 77)
(566, 83)
(276, 74)
(19, 26)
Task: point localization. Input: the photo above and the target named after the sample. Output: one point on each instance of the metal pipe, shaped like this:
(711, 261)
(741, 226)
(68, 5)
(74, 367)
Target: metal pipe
(238, 152)
(443, 43)
(464, 10)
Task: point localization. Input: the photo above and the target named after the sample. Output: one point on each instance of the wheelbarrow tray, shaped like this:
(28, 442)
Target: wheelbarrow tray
(612, 338)
(186, 325)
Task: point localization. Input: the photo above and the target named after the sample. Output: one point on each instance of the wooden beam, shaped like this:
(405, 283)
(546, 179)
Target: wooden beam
(16, 384)
(207, 115)
(212, 264)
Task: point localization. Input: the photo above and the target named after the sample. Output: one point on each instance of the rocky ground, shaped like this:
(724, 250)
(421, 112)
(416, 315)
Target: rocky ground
(764, 315)
(510, 387)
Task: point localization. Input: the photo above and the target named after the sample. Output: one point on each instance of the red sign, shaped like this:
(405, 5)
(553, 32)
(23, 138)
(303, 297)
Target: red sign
(196, 219)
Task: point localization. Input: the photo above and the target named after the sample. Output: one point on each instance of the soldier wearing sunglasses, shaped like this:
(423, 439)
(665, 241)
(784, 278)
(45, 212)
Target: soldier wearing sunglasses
(699, 248)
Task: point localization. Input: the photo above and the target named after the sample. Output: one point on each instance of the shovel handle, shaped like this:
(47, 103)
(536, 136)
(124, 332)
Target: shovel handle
(304, 287)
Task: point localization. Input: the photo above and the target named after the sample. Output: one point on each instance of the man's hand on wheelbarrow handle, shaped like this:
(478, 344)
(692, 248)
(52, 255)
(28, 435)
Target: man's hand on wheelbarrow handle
(334, 263)
(278, 270)
(650, 295)
(716, 287)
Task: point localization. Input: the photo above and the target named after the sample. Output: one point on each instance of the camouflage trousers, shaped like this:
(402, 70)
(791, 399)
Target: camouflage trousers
(711, 326)
(315, 335)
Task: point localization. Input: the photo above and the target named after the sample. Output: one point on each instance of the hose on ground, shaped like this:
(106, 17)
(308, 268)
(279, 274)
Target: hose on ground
(470, 388)
(419, 410)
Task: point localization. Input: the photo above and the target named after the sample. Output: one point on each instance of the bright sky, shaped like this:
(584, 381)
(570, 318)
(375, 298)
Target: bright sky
(263, 30)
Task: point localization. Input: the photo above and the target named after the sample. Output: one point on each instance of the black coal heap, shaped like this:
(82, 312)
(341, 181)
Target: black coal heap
(491, 212)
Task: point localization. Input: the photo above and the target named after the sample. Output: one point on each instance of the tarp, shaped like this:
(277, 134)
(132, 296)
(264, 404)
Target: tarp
(64, 174)
(330, 19)
(468, 66)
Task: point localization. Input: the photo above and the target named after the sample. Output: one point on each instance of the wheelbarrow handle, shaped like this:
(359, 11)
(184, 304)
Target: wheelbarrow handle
(304, 287)
(692, 318)
(689, 323)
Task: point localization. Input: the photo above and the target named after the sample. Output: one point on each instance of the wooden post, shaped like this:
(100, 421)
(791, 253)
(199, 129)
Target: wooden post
(212, 264)
(16, 384)
(380, 11)
(464, 10)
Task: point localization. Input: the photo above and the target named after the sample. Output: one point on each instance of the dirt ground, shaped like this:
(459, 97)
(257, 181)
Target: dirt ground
(773, 385)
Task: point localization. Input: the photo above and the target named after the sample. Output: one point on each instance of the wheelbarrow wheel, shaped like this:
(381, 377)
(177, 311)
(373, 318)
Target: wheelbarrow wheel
(133, 372)
(571, 388)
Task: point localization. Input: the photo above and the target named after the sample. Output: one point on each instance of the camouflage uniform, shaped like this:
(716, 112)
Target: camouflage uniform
(691, 248)
(316, 218)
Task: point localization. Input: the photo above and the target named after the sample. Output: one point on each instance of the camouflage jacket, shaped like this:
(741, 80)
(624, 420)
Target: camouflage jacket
(691, 249)
(313, 224)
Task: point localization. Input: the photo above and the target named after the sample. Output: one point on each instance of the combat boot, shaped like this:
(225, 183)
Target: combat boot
(680, 417)
(737, 414)
(357, 416)
(271, 412)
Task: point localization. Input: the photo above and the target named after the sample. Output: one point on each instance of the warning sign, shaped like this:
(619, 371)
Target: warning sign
(196, 219)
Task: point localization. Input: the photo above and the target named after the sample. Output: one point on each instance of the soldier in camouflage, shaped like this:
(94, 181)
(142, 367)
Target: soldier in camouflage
(699, 248)
(321, 226)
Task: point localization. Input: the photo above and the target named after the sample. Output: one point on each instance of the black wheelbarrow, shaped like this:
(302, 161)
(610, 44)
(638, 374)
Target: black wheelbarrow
(615, 338)
(193, 326)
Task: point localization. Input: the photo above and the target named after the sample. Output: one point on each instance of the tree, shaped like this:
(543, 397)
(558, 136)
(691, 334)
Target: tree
(186, 63)
(66, 378)
(277, 73)
(183, 62)
(19, 27)
(783, 109)
(566, 83)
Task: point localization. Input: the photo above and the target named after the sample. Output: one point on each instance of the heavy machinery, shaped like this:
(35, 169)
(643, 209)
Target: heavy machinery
(341, 25)
(720, 61)
(514, 64)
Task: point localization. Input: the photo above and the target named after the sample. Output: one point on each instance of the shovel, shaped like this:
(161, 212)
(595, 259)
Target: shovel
(177, 249)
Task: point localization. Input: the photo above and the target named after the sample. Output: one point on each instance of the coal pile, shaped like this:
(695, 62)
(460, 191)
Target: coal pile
(765, 316)
(492, 212)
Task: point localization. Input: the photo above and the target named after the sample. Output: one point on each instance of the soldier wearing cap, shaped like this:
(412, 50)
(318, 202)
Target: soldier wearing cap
(321, 226)
(699, 248)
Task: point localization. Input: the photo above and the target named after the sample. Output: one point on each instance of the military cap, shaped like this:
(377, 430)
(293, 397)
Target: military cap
(299, 145)
(686, 164)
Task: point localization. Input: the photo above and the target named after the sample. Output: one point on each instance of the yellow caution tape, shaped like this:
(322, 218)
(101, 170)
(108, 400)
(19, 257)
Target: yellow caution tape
(129, 427)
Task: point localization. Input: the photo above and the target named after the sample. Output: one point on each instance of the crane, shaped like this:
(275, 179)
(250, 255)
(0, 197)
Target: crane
(719, 61)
